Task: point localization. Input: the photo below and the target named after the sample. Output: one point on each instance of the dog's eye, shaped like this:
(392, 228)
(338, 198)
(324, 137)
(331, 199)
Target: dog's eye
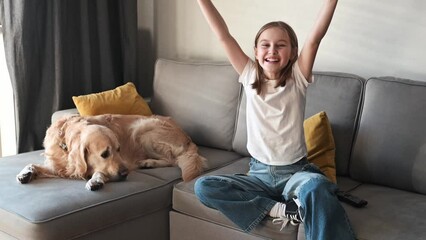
(105, 154)
(118, 149)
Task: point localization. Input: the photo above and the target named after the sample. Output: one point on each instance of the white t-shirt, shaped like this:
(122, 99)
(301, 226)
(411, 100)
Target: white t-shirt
(275, 134)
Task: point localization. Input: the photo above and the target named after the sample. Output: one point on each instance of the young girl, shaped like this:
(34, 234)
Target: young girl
(281, 183)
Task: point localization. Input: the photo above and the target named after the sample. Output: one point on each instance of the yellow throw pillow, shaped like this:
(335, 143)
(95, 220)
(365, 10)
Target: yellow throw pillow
(320, 144)
(121, 100)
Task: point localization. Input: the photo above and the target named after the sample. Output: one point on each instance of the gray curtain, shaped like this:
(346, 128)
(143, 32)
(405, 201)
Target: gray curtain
(56, 49)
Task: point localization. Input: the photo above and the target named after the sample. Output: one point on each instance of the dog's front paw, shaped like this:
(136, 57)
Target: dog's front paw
(26, 175)
(96, 182)
(94, 185)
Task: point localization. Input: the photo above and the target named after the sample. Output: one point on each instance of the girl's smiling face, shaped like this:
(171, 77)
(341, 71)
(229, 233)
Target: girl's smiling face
(273, 51)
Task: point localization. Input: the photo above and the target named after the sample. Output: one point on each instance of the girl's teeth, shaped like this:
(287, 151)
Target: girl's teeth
(271, 60)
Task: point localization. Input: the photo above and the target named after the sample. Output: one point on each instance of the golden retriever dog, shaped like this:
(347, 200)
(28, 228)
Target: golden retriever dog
(106, 147)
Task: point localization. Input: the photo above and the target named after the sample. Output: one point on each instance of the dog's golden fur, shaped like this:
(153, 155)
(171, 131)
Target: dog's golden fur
(106, 147)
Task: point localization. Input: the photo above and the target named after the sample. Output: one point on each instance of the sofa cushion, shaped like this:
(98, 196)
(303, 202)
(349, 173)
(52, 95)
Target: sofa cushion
(339, 95)
(190, 228)
(185, 201)
(391, 214)
(320, 144)
(390, 147)
(121, 100)
(64, 209)
(201, 97)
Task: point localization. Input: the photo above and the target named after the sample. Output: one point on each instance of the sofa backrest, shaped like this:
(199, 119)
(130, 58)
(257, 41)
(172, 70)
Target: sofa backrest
(390, 147)
(339, 95)
(206, 100)
(202, 98)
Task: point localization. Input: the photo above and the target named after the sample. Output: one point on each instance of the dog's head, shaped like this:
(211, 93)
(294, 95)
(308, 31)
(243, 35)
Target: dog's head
(98, 151)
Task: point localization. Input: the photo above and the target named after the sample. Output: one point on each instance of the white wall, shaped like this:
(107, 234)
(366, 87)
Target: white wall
(367, 38)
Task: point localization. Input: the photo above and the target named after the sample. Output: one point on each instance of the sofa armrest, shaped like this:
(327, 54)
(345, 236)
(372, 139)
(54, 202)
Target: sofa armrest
(62, 113)
(73, 111)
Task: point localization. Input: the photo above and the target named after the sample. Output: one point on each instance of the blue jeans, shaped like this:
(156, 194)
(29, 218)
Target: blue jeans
(247, 199)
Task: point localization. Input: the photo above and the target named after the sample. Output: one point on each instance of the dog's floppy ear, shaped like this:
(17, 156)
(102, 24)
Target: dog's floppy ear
(77, 161)
(82, 164)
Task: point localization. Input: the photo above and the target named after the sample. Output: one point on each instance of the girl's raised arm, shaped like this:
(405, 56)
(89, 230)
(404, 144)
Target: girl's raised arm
(310, 48)
(234, 52)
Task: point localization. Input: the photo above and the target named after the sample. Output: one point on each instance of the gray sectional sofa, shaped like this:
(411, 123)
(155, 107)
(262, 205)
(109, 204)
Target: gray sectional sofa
(379, 131)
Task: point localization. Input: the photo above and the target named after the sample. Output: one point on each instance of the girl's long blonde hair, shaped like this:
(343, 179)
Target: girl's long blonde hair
(286, 72)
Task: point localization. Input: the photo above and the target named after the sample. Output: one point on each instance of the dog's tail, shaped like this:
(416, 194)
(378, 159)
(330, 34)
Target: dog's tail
(191, 163)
